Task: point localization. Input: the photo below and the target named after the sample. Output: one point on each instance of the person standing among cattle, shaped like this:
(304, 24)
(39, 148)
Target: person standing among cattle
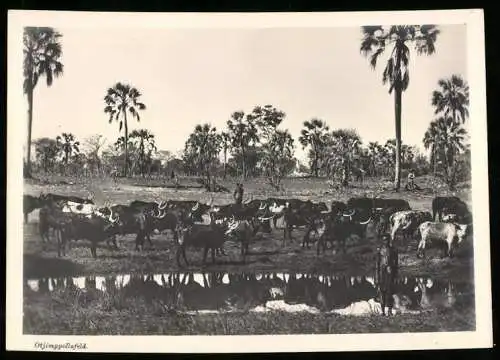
(387, 264)
(238, 194)
(411, 181)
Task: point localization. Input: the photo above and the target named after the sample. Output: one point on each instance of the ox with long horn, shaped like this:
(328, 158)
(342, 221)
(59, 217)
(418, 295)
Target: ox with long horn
(111, 219)
(350, 215)
(265, 219)
(161, 214)
(365, 222)
(249, 200)
(328, 208)
(160, 203)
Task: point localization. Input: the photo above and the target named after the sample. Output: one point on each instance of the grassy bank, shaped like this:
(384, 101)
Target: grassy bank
(87, 315)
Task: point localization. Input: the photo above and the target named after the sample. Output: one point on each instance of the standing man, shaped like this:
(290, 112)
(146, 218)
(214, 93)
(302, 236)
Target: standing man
(238, 194)
(411, 181)
(387, 266)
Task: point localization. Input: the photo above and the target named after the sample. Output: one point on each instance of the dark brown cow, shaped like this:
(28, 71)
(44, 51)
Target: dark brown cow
(30, 203)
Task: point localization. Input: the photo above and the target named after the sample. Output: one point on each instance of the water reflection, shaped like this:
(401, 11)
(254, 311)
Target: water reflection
(212, 292)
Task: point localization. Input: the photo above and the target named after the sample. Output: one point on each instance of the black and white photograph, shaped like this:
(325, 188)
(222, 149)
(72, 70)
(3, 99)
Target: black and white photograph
(321, 176)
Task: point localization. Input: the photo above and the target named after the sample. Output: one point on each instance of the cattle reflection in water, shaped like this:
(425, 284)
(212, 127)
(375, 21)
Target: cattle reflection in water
(214, 292)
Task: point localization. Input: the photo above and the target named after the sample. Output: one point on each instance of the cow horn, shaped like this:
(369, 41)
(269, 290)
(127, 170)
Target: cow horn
(164, 205)
(366, 222)
(262, 206)
(196, 206)
(111, 216)
(162, 215)
(265, 219)
(351, 214)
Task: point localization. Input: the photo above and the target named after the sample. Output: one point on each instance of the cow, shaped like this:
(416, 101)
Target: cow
(132, 220)
(194, 209)
(407, 222)
(53, 215)
(314, 232)
(50, 218)
(241, 231)
(449, 233)
(337, 208)
(206, 237)
(275, 207)
(386, 270)
(69, 226)
(339, 230)
(448, 204)
(30, 203)
(78, 208)
(168, 219)
(220, 213)
(95, 228)
(300, 213)
(158, 216)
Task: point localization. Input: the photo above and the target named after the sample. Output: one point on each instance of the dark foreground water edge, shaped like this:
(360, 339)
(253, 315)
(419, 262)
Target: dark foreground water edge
(241, 304)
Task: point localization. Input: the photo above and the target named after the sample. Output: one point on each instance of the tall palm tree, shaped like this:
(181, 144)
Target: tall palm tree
(449, 137)
(120, 100)
(452, 99)
(343, 145)
(313, 135)
(68, 145)
(46, 152)
(42, 51)
(202, 148)
(244, 133)
(225, 138)
(145, 144)
(431, 140)
(375, 41)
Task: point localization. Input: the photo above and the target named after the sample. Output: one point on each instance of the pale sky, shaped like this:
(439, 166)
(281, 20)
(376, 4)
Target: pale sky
(195, 76)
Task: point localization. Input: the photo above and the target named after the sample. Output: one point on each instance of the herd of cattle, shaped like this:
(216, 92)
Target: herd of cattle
(208, 226)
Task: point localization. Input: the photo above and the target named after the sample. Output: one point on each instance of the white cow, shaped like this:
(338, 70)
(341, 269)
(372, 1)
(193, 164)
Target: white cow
(450, 233)
(88, 210)
(407, 221)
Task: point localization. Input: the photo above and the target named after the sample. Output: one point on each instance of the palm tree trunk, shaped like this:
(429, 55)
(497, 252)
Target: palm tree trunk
(30, 122)
(243, 156)
(126, 143)
(316, 162)
(397, 109)
(225, 162)
(434, 160)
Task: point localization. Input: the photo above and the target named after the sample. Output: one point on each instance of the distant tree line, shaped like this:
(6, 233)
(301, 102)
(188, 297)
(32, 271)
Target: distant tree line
(255, 143)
